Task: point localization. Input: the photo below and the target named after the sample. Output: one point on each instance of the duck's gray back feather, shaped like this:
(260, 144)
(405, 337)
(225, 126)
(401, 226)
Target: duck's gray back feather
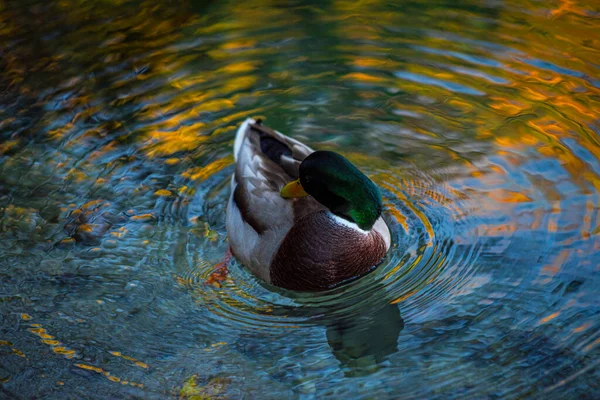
(258, 218)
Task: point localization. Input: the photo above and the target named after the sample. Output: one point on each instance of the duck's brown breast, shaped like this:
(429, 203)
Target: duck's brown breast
(318, 253)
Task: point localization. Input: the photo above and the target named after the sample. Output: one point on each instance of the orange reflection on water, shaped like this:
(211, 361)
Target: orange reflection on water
(48, 339)
(549, 317)
(414, 209)
(582, 328)
(201, 173)
(508, 196)
(136, 362)
(591, 345)
(557, 264)
(108, 375)
(364, 77)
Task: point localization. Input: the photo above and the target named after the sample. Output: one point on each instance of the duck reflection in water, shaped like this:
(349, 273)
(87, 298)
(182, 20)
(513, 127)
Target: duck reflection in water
(362, 343)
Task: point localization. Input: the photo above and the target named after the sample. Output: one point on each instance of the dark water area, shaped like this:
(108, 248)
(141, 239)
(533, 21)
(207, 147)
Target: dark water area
(480, 122)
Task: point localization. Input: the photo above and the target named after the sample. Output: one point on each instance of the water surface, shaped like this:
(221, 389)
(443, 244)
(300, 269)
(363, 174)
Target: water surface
(478, 120)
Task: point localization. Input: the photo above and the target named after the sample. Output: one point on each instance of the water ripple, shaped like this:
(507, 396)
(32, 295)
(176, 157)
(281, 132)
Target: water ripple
(478, 121)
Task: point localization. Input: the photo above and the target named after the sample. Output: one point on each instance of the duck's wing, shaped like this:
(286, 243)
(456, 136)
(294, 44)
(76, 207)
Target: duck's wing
(258, 218)
(266, 160)
(255, 139)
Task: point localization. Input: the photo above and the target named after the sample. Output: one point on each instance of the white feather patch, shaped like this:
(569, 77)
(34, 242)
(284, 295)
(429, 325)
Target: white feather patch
(346, 223)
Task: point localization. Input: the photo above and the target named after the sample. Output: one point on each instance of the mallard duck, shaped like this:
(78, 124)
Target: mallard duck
(301, 219)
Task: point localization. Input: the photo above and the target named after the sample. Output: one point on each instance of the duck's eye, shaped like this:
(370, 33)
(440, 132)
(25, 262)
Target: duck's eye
(307, 178)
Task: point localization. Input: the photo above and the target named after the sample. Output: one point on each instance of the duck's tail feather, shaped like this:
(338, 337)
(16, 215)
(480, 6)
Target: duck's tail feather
(241, 135)
(284, 151)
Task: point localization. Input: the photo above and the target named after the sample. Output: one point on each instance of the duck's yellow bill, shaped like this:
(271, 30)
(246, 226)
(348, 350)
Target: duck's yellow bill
(293, 189)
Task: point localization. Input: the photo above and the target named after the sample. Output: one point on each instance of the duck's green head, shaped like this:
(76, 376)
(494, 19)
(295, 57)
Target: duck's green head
(337, 184)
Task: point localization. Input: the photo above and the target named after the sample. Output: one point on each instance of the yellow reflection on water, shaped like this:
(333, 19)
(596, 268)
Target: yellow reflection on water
(56, 346)
(108, 375)
(201, 173)
(136, 362)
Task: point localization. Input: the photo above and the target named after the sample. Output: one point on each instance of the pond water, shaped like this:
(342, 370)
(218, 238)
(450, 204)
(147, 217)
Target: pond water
(480, 122)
